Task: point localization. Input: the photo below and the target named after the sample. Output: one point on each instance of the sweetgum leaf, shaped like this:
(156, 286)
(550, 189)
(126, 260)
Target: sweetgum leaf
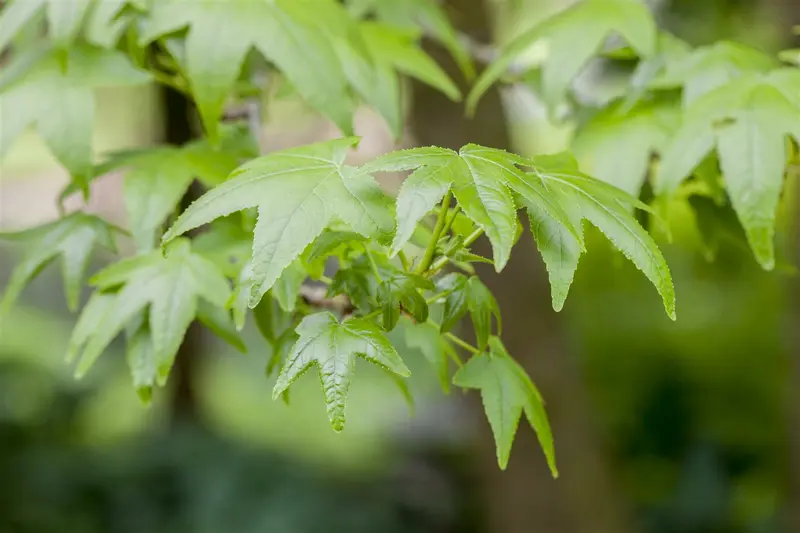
(298, 192)
(333, 347)
(706, 68)
(64, 18)
(220, 35)
(481, 180)
(507, 391)
(61, 104)
(747, 122)
(617, 146)
(571, 38)
(608, 209)
(168, 286)
(425, 15)
(72, 238)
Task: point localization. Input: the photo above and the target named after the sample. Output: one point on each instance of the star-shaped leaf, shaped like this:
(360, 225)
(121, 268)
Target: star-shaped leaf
(61, 104)
(168, 286)
(608, 209)
(706, 68)
(481, 179)
(64, 18)
(299, 192)
(507, 392)
(158, 178)
(569, 39)
(747, 122)
(425, 15)
(73, 238)
(333, 347)
(617, 146)
(221, 34)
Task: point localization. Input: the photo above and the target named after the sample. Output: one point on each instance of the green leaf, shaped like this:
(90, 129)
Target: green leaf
(358, 283)
(221, 34)
(333, 347)
(747, 121)
(706, 68)
(400, 49)
(482, 307)
(298, 192)
(456, 303)
(608, 209)
(481, 180)
(219, 321)
(507, 391)
(331, 242)
(64, 18)
(617, 146)
(401, 291)
(61, 104)
(560, 249)
(428, 16)
(142, 363)
(168, 286)
(73, 238)
(427, 339)
(96, 308)
(287, 287)
(568, 40)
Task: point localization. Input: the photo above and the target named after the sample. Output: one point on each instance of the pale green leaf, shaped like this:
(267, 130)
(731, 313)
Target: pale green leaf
(222, 33)
(333, 347)
(568, 40)
(747, 121)
(168, 285)
(73, 238)
(507, 391)
(608, 209)
(298, 192)
(617, 146)
(61, 104)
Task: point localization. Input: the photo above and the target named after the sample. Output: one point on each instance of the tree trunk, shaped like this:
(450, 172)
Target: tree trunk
(525, 499)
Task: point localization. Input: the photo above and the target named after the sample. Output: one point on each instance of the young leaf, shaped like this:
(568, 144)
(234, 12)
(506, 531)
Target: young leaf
(607, 208)
(507, 391)
(402, 291)
(333, 347)
(571, 38)
(73, 238)
(482, 307)
(617, 146)
(61, 104)
(456, 302)
(481, 180)
(298, 192)
(222, 33)
(142, 363)
(747, 121)
(427, 16)
(358, 283)
(169, 287)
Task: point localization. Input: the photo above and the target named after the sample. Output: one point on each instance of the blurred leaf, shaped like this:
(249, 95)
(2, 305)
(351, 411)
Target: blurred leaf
(570, 38)
(73, 238)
